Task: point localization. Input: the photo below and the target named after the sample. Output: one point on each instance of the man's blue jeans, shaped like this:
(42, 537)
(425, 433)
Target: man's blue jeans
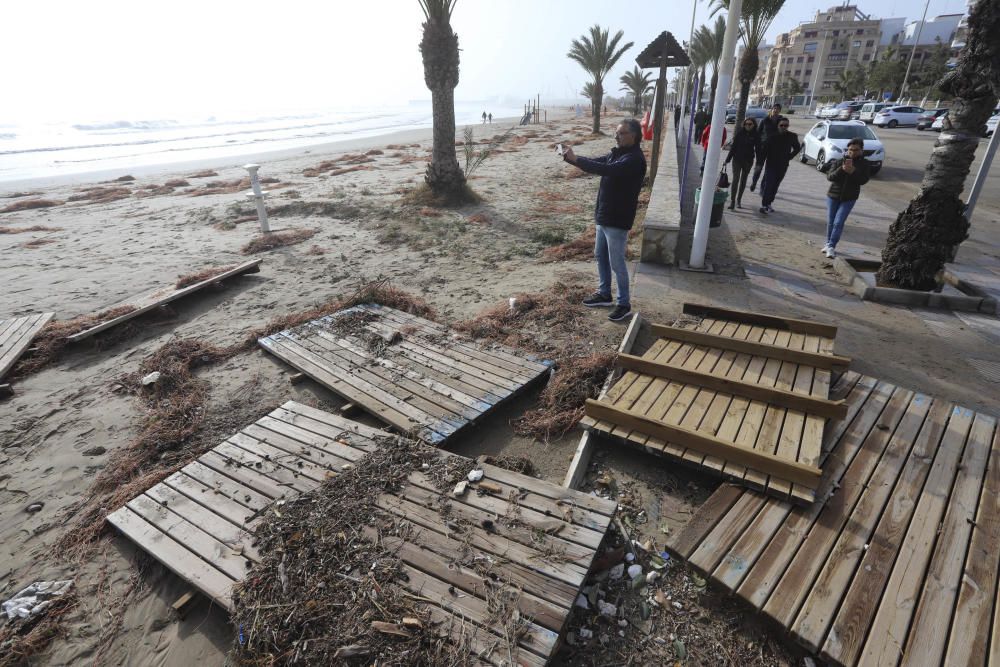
(836, 215)
(609, 249)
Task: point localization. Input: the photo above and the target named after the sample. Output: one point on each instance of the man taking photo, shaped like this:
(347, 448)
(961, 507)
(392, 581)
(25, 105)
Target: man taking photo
(621, 171)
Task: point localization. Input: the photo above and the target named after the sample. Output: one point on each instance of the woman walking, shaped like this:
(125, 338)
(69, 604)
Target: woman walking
(742, 152)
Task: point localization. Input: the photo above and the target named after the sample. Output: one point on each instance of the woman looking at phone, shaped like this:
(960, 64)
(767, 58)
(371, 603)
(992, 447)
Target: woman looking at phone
(846, 176)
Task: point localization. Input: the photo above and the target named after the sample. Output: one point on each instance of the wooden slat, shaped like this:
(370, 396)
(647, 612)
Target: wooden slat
(786, 399)
(786, 323)
(144, 304)
(824, 361)
(17, 338)
(791, 470)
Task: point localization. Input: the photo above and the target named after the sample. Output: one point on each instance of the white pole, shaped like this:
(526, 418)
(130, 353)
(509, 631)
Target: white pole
(984, 169)
(257, 196)
(709, 178)
(916, 43)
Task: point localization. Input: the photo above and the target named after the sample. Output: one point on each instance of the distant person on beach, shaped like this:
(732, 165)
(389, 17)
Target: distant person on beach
(622, 172)
(491, 118)
(768, 126)
(846, 176)
(704, 143)
(778, 150)
(742, 153)
(701, 119)
(484, 118)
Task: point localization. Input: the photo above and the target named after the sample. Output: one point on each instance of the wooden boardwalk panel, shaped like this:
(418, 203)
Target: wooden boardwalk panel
(200, 522)
(160, 297)
(750, 401)
(897, 562)
(16, 335)
(414, 374)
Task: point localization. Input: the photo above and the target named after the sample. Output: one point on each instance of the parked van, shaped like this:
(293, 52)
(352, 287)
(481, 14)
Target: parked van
(869, 110)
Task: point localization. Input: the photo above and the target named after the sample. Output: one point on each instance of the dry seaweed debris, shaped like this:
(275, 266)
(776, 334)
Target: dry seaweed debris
(50, 342)
(33, 228)
(23, 639)
(326, 592)
(201, 276)
(560, 405)
(274, 240)
(26, 204)
(101, 195)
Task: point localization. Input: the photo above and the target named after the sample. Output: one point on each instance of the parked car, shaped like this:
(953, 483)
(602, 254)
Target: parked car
(820, 110)
(895, 116)
(752, 112)
(849, 110)
(927, 118)
(829, 112)
(939, 122)
(869, 109)
(991, 124)
(828, 140)
(988, 129)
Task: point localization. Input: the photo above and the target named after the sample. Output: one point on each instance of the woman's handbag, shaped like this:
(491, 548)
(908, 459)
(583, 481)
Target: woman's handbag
(723, 179)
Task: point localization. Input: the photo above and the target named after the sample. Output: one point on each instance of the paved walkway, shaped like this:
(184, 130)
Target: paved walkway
(773, 264)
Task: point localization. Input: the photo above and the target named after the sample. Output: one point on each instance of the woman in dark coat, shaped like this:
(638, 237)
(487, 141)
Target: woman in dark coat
(742, 153)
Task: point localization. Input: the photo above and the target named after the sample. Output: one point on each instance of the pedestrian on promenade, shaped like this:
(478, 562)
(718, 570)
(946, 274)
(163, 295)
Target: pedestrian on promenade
(621, 171)
(846, 176)
(768, 126)
(677, 117)
(704, 143)
(701, 119)
(742, 153)
(778, 150)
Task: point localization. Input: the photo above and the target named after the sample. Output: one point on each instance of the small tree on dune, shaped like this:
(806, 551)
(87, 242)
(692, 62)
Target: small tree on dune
(439, 51)
(925, 234)
(597, 54)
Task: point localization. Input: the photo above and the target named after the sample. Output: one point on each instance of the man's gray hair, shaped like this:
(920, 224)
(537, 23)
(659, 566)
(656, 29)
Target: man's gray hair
(634, 128)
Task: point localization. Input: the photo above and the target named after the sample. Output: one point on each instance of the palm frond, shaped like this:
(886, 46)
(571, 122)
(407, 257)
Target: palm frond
(437, 9)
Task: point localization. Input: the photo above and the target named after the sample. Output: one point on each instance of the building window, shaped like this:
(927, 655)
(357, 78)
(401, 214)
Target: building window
(799, 59)
(859, 31)
(811, 33)
(798, 72)
(808, 72)
(856, 43)
(870, 43)
(826, 85)
(811, 58)
(809, 47)
(867, 56)
(836, 33)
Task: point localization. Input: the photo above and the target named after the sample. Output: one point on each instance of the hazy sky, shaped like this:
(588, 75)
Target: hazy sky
(113, 59)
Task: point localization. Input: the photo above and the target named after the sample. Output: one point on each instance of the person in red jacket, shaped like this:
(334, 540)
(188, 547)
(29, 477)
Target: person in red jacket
(704, 144)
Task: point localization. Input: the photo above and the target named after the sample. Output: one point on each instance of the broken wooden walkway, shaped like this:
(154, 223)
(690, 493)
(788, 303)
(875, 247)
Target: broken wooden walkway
(897, 562)
(199, 523)
(740, 394)
(161, 297)
(414, 374)
(16, 335)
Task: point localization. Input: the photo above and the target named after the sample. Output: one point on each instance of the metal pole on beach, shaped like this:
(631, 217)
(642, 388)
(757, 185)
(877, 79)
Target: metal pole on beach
(708, 179)
(258, 197)
(913, 51)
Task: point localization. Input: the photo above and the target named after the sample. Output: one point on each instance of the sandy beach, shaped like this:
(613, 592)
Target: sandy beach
(67, 420)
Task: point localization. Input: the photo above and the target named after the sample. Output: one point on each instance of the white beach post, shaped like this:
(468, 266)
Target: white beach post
(258, 196)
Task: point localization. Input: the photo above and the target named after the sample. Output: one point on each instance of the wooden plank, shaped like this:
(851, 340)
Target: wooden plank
(174, 556)
(330, 419)
(21, 333)
(704, 520)
(790, 470)
(236, 513)
(969, 642)
(928, 637)
(824, 361)
(787, 399)
(581, 458)
(247, 476)
(773, 322)
(15, 329)
(163, 296)
(715, 545)
(560, 495)
(225, 486)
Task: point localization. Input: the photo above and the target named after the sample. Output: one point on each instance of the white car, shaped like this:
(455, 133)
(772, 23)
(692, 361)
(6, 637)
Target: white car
(991, 124)
(827, 109)
(869, 110)
(896, 116)
(828, 139)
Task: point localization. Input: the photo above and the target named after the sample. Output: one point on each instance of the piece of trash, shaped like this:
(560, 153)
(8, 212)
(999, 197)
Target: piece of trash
(460, 488)
(645, 611)
(660, 598)
(617, 571)
(699, 581)
(630, 556)
(425, 466)
(490, 487)
(152, 378)
(347, 466)
(634, 571)
(680, 649)
(390, 628)
(657, 562)
(581, 601)
(511, 303)
(638, 581)
(351, 651)
(651, 576)
(475, 475)
(677, 605)
(34, 507)
(606, 608)
(412, 622)
(36, 598)
(622, 623)
(585, 633)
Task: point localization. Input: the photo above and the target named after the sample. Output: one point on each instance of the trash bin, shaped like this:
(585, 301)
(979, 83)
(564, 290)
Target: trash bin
(717, 205)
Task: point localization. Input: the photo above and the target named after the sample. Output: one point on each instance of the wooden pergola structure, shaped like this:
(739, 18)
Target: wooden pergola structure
(662, 52)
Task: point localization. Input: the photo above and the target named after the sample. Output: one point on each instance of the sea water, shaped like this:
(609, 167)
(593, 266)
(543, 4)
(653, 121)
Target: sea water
(55, 148)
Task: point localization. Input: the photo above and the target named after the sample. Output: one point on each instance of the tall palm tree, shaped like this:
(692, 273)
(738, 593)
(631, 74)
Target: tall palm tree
(637, 83)
(596, 54)
(709, 43)
(756, 17)
(924, 235)
(439, 50)
(699, 57)
(588, 92)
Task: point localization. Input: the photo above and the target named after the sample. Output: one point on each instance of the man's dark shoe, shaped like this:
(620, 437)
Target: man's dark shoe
(753, 186)
(620, 313)
(597, 299)
(763, 209)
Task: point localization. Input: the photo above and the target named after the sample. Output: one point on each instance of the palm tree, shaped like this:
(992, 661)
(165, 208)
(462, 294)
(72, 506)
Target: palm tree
(439, 50)
(756, 17)
(637, 83)
(597, 55)
(709, 44)
(588, 92)
(699, 57)
(924, 235)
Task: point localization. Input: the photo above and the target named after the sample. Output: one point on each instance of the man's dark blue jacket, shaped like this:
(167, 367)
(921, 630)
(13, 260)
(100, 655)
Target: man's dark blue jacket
(621, 171)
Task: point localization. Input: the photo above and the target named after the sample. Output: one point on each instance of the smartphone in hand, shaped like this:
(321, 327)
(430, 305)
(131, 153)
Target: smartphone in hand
(560, 150)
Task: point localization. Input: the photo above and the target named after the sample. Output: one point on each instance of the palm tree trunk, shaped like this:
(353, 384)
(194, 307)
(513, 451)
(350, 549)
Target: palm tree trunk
(749, 64)
(923, 237)
(439, 49)
(711, 97)
(598, 98)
